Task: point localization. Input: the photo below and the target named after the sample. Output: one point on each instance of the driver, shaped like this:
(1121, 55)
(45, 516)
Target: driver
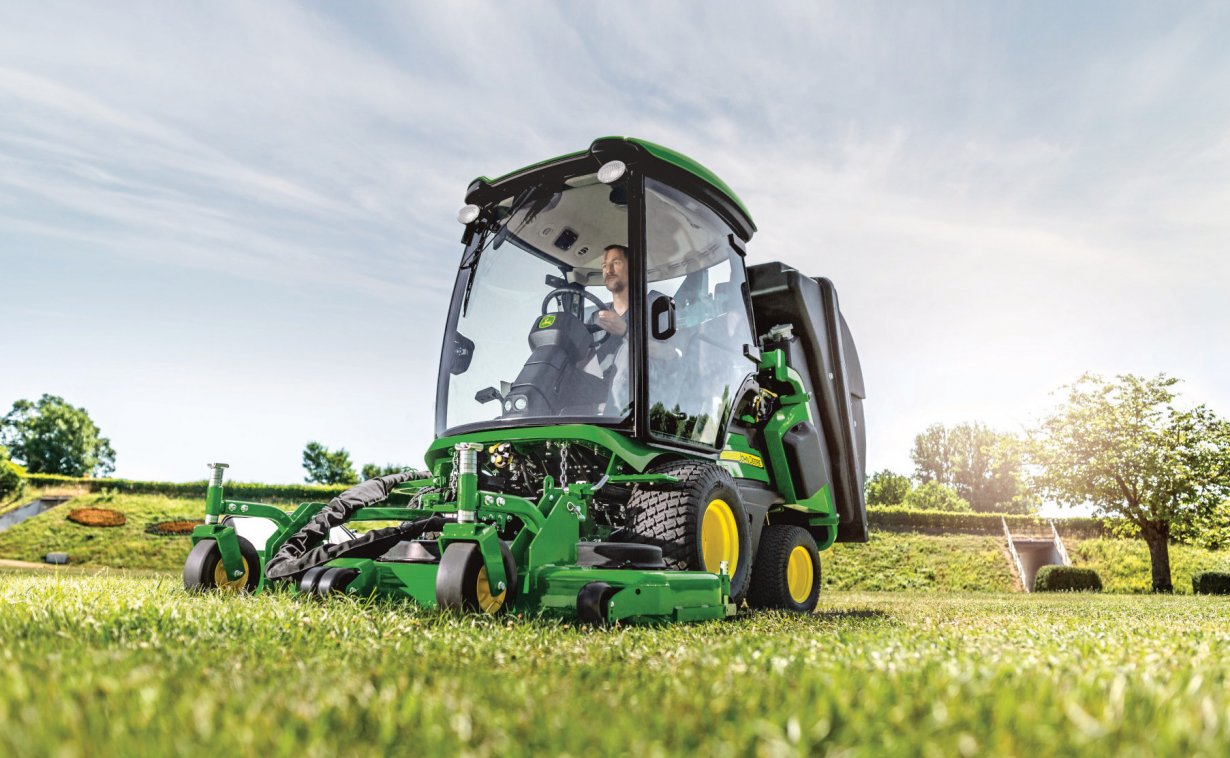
(615, 277)
(612, 354)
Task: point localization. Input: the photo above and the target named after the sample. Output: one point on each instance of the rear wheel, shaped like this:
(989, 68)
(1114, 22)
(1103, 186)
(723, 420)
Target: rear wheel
(787, 572)
(203, 571)
(699, 523)
(462, 583)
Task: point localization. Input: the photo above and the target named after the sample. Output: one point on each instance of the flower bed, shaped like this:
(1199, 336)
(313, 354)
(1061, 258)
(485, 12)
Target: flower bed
(96, 517)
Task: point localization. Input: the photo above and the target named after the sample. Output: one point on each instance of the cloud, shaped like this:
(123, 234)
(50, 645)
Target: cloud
(1005, 196)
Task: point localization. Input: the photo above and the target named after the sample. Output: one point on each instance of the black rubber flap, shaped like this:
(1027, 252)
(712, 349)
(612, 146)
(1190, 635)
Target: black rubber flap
(620, 555)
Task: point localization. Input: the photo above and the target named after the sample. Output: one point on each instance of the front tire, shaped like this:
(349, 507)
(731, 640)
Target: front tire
(203, 571)
(787, 572)
(462, 584)
(698, 523)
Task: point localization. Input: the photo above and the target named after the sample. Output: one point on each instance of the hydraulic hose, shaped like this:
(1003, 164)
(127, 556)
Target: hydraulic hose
(307, 548)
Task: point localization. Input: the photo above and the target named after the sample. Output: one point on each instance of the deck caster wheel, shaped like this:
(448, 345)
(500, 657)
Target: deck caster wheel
(309, 580)
(462, 585)
(593, 603)
(203, 571)
(787, 570)
(335, 580)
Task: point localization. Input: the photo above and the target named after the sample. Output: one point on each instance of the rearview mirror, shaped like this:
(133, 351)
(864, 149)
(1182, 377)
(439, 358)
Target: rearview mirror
(463, 353)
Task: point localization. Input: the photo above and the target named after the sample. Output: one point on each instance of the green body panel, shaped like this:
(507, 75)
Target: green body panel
(795, 408)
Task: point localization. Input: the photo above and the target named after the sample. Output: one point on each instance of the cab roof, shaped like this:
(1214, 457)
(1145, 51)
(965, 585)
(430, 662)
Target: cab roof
(625, 148)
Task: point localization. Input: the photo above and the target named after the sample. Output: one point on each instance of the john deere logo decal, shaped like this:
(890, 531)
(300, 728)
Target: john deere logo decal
(546, 321)
(747, 459)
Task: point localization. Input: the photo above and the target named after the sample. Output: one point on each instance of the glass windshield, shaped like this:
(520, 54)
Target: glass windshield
(698, 318)
(539, 333)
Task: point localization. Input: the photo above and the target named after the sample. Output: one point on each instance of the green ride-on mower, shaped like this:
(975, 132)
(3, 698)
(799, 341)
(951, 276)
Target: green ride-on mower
(631, 424)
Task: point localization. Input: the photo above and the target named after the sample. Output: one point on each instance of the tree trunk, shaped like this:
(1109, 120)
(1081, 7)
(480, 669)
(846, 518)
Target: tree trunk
(1157, 537)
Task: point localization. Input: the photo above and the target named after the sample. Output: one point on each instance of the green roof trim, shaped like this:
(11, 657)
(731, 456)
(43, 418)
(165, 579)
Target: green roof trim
(679, 160)
(673, 157)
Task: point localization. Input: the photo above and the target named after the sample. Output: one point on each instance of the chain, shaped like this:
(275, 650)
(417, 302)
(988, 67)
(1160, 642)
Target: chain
(563, 464)
(452, 478)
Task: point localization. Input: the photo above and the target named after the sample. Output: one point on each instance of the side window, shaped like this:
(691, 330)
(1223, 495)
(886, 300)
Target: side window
(696, 286)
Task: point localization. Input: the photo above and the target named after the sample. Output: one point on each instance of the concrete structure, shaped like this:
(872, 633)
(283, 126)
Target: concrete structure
(1031, 552)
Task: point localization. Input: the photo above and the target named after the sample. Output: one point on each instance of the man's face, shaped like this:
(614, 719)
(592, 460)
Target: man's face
(615, 270)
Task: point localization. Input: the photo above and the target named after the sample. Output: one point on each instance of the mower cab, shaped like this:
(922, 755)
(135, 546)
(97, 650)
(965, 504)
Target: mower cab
(630, 423)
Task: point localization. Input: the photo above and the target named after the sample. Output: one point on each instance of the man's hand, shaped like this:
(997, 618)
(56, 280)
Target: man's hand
(611, 322)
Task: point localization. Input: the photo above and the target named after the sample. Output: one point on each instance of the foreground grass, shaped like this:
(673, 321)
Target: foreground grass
(118, 665)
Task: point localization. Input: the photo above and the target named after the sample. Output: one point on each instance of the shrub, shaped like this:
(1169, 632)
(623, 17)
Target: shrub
(1211, 583)
(233, 490)
(933, 496)
(12, 477)
(97, 517)
(941, 522)
(1067, 579)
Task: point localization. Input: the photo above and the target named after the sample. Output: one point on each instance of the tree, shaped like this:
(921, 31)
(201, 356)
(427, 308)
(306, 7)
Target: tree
(1122, 446)
(371, 470)
(326, 466)
(53, 437)
(933, 496)
(886, 488)
(982, 465)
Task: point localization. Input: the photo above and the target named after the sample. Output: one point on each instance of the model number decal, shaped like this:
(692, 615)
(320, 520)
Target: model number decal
(747, 459)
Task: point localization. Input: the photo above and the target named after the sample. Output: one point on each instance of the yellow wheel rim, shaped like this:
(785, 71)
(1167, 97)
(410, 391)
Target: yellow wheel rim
(800, 574)
(227, 584)
(719, 537)
(487, 602)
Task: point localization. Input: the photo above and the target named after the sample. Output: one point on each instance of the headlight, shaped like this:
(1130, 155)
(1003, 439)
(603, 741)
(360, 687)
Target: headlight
(611, 172)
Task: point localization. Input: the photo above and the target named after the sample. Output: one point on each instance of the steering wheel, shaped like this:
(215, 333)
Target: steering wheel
(593, 328)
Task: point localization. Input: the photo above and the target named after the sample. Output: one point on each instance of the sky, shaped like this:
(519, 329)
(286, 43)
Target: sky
(228, 228)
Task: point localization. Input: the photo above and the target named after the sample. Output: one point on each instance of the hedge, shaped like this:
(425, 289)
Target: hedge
(896, 518)
(1067, 579)
(233, 490)
(1211, 583)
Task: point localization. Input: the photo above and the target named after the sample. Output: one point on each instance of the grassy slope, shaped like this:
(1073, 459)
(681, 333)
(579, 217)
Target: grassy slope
(128, 545)
(1124, 564)
(118, 665)
(890, 561)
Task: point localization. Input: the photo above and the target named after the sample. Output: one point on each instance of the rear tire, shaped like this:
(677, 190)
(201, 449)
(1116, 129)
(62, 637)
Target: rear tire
(698, 522)
(787, 571)
(203, 571)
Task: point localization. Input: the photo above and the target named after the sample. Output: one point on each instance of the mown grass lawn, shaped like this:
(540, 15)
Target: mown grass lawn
(114, 664)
